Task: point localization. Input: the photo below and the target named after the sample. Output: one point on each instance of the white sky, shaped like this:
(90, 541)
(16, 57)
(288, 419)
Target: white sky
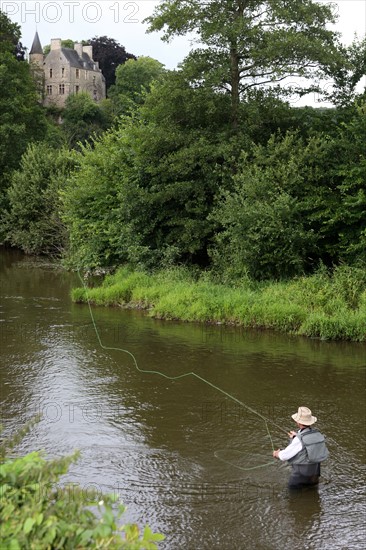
(122, 20)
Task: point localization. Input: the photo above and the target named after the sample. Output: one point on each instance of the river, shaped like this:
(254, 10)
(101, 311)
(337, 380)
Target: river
(184, 457)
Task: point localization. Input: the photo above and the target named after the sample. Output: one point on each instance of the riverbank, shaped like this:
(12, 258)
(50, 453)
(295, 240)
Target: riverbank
(324, 305)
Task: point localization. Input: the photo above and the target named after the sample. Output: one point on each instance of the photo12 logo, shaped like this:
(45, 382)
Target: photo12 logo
(70, 12)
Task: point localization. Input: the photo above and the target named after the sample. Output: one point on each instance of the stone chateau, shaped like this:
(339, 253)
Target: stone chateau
(66, 71)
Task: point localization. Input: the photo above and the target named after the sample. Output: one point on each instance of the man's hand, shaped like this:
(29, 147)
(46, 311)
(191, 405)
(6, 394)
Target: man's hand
(292, 434)
(275, 453)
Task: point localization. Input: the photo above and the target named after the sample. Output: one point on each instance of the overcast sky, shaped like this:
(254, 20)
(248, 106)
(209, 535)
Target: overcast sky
(122, 20)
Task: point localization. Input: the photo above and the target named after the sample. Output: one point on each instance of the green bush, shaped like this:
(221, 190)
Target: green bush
(263, 229)
(295, 202)
(33, 222)
(37, 513)
(82, 118)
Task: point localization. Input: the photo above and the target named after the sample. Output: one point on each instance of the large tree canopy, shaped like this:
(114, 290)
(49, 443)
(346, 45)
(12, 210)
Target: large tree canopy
(251, 43)
(10, 38)
(348, 76)
(21, 116)
(133, 82)
(109, 54)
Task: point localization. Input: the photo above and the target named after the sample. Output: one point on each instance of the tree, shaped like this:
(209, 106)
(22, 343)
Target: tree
(21, 116)
(296, 201)
(133, 80)
(91, 204)
(250, 43)
(83, 119)
(143, 193)
(33, 221)
(110, 54)
(263, 228)
(10, 38)
(342, 220)
(348, 76)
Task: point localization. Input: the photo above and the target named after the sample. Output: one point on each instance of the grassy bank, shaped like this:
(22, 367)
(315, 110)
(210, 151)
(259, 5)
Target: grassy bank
(327, 306)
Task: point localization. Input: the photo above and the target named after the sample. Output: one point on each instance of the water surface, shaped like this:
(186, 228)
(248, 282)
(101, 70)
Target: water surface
(184, 458)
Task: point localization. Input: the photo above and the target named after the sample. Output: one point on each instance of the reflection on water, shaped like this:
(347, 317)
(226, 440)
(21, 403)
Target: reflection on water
(183, 457)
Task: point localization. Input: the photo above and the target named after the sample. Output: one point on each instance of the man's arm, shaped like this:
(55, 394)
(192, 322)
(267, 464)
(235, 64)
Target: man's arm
(291, 450)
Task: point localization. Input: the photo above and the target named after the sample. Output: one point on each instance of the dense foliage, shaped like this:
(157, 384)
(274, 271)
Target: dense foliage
(83, 119)
(170, 186)
(296, 202)
(33, 221)
(144, 191)
(38, 511)
(21, 116)
(133, 81)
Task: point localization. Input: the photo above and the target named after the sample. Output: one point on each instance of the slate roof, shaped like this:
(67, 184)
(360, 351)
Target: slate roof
(36, 46)
(73, 58)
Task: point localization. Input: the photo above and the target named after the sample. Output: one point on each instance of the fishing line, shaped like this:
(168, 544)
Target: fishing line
(185, 375)
(216, 455)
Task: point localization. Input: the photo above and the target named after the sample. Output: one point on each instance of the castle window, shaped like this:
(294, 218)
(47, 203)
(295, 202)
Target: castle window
(49, 90)
(95, 95)
(77, 73)
(50, 73)
(61, 89)
(76, 89)
(94, 80)
(62, 71)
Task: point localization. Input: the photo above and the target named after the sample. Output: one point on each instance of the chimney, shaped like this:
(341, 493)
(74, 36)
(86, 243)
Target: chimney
(79, 48)
(55, 44)
(88, 50)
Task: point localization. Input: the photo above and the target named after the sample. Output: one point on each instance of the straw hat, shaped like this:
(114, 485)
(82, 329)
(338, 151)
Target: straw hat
(304, 416)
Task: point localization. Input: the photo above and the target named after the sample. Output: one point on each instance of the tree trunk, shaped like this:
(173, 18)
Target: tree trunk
(235, 80)
(234, 66)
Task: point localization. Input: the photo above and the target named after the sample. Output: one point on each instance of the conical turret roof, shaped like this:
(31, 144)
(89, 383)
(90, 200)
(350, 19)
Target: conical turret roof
(36, 46)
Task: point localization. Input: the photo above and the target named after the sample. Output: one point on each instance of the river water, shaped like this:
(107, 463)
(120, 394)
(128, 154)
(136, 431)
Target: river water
(185, 458)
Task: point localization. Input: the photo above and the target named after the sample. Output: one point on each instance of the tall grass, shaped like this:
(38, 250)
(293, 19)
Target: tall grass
(324, 305)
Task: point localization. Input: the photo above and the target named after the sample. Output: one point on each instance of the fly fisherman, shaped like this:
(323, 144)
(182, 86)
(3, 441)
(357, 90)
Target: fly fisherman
(305, 451)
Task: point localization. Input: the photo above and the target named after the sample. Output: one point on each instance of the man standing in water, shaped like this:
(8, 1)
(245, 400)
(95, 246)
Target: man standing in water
(305, 452)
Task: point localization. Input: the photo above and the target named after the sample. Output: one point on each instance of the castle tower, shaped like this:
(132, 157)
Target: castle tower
(36, 54)
(36, 59)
